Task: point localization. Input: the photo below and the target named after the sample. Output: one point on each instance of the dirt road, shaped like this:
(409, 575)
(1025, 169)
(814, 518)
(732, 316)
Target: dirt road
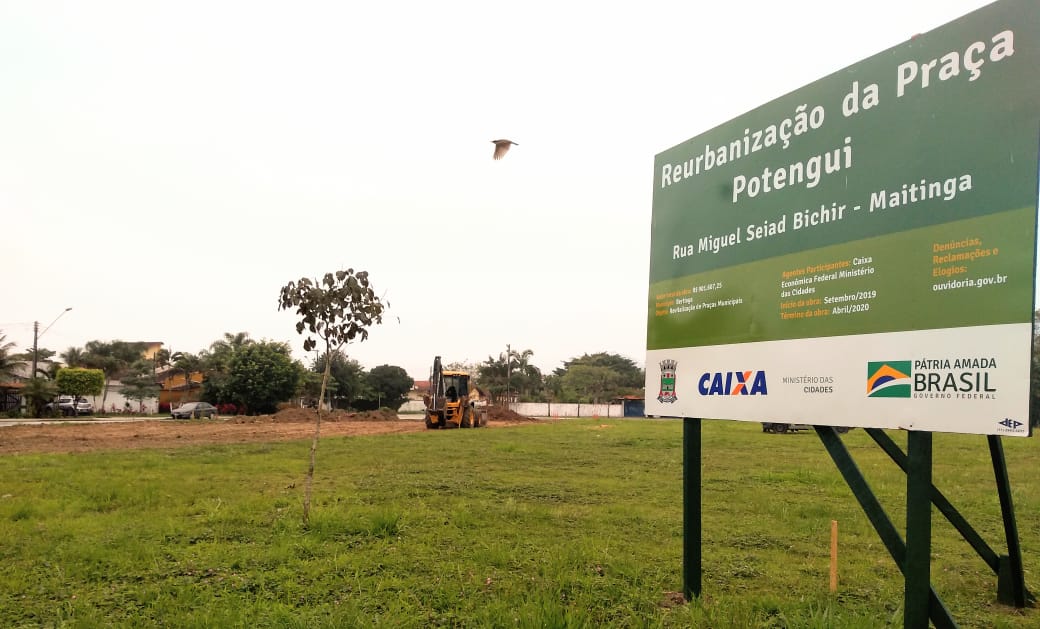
(286, 425)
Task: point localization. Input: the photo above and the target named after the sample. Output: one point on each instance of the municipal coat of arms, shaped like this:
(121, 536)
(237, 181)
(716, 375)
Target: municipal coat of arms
(667, 394)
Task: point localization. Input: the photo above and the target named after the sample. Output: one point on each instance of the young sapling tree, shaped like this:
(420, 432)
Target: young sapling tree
(337, 309)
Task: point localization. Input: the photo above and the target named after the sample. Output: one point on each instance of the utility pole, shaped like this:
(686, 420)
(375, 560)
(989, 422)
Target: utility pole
(36, 338)
(509, 372)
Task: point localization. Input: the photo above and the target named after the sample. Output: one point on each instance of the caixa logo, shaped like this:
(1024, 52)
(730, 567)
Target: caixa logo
(733, 383)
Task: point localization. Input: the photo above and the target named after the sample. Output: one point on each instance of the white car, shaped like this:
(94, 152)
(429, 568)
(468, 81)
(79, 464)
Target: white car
(67, 406)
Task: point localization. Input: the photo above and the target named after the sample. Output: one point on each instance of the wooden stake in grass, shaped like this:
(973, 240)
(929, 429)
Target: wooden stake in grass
(337, 309)
(834, 555)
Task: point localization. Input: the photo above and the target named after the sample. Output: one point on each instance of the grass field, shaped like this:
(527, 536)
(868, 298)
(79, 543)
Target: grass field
(570, 524)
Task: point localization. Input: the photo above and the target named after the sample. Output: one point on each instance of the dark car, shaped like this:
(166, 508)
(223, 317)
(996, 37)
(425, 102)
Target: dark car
(197, 410)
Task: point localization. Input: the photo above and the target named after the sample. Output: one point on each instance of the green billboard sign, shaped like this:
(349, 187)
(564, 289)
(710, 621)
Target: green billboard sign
(861, 251)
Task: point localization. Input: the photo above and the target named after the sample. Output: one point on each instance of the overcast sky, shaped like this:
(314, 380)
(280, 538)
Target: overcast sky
(166, 167)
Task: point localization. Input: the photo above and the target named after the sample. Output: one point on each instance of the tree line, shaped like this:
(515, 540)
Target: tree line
(250, 376)
(256, 376)
(590, 378)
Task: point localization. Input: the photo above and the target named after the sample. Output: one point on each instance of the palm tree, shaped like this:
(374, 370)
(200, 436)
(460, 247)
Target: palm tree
(49, 372)
(162, 359)
(221, 351)
(509, 375)
(238, 340)
(37, 393)
(494, 374)
(9, 364)
(521, 360)
(526, 376)
(217, 364)
(73, 357)
(188, 364)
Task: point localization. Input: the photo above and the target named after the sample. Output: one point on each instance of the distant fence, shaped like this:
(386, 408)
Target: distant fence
(557, 409)
(543, 409)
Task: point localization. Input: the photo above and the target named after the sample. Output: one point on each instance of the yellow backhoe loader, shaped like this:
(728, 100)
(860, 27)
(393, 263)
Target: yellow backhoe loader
(452, 402)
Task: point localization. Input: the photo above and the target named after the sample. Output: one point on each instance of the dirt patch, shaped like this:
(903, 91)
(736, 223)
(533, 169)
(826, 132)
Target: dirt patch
(503, 414)
(672, 599)
(306, 415)
(286, 425)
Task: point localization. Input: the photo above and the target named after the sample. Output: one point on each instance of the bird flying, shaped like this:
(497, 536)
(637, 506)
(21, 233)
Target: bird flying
(501, 146)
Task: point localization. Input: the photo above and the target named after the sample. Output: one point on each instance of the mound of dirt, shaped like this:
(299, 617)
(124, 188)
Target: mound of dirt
(297, 415)
(503, 414)
(382, 415)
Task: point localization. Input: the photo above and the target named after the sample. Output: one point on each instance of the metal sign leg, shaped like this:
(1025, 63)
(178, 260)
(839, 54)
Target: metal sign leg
(691, 508)
(1011, 581)
(917, 569)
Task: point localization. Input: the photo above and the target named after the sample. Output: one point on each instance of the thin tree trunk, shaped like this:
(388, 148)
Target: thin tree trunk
(104, 396)
(314, 444)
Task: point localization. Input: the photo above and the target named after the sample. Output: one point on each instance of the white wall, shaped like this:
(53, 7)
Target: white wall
(412, 406)
(542, 409)
(115, 397)
(555, 409)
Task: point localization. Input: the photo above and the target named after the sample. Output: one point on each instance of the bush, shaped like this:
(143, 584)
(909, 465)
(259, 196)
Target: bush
(227, 409)
(14, 413)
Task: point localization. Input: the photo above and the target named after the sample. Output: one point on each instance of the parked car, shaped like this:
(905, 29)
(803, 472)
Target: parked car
(197, 410)
(782, 428)
(70, 406)
(63, 404)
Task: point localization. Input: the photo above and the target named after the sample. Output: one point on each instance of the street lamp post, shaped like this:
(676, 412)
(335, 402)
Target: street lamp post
(37, 334)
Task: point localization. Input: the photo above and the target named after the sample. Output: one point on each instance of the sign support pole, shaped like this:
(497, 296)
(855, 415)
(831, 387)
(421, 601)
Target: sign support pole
(691, 508)
(1011, 585)
(1011, 582)
(917, 566)
(913, 557)
(886, 530)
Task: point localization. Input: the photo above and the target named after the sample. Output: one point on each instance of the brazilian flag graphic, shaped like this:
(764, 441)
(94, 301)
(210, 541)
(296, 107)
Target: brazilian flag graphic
(890, 378)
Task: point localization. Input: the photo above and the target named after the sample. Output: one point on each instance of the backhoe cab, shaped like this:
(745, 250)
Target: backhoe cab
(451, 403)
